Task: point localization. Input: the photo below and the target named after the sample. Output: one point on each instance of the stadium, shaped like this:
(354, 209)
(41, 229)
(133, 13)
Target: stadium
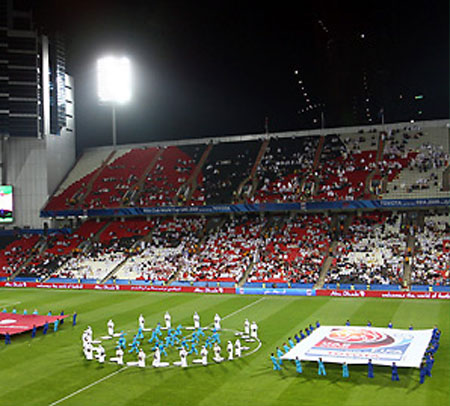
(264, 267)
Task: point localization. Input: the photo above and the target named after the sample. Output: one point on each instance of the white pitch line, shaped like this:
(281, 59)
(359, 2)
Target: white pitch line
(126, 367)
(243, 308)
(7, 304)
(88, 386)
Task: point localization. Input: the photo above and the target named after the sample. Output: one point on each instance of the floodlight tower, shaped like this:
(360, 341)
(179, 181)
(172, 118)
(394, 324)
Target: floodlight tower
(114, 85)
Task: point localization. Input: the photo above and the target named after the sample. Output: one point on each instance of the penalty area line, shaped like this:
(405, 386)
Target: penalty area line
(88, 386)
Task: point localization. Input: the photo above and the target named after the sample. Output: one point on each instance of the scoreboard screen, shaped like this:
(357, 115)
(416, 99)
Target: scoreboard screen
(6, 204)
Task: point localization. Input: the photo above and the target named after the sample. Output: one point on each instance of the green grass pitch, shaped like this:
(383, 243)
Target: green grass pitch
(51, 370)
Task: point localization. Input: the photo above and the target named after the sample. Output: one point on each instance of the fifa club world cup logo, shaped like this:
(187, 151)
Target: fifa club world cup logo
(355, 338)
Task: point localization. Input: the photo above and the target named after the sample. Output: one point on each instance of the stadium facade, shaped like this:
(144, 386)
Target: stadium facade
(37, 117)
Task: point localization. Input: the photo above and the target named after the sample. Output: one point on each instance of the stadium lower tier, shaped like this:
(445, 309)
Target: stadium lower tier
(377, 250)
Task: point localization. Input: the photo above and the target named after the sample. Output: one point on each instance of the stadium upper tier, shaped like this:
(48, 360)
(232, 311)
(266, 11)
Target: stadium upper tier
(399, 161)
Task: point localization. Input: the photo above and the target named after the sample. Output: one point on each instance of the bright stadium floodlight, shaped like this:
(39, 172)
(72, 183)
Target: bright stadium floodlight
(114, 84)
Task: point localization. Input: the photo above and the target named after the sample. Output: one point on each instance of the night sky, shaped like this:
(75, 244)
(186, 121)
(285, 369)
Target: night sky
(220, 67)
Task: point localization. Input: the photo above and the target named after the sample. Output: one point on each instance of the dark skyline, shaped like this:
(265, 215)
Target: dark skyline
(218, 68)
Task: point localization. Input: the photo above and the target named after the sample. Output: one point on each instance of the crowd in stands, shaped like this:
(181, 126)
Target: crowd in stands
(373, 248)
(370, 248)
(371, 251)
(172, 171)
(344, 168)
(226, 167)
(226, 252)
(16, 253)
(293, 252)
(283, 168)
(431, 265)
(418, 156)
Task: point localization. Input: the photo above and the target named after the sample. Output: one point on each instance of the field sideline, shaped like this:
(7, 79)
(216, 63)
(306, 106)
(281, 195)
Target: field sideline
(51, 370)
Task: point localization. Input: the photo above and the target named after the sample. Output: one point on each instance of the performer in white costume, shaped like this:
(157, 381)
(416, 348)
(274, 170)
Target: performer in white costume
(119, 356)
(217, 320)
(110, 326)
(196, 318)
(168, 320)
(230, 350)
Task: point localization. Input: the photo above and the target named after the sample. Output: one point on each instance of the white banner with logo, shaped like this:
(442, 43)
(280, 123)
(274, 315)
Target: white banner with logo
(356, 345)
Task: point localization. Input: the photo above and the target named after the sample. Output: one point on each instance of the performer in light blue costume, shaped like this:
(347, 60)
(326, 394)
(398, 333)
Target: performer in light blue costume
(162, 349)
(157, 343)
(291, 343)
(154, 336)
(193, 347)
(135, 345)
(279, 355)
(140, 334)
(276, 364)
(345, 370)
(122, 343)
(216, 338)
(298, 365)
(208, 343)
(321, 370)
(184, 343)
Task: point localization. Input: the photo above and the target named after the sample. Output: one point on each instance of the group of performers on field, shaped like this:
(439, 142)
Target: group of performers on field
(46, 326)
(425, 367)
(163, 338)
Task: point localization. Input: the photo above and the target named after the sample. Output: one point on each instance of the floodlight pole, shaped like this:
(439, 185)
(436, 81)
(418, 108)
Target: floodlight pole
(114, 129)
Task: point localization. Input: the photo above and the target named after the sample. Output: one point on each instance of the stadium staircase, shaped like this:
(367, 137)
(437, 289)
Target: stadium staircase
(115, 270)
(212, 225)
(446, 179)
(328, 258)
(326, 265)
(368, 183)
(88, 188)
(318, 153)
(132, 194)
(408, 261)
(190, 186)
(311, 175)
(252, 179)
(246, 274)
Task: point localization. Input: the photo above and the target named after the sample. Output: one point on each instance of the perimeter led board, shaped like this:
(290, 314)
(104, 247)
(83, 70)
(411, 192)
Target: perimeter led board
(6, 204)
(114, 79)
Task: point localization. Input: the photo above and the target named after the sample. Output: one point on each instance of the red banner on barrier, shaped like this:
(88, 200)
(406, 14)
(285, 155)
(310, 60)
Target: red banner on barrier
(137, 288)
(199, 289)
(18, 323)
(383, 294)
